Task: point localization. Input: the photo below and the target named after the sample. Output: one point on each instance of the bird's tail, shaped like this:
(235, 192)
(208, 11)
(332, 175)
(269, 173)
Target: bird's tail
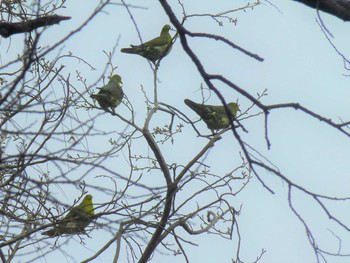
(131, 50)
(194, 106)
(50, 233)
(99, 96)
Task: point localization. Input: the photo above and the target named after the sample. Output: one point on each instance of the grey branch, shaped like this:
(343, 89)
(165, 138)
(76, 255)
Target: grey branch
(9, 29)
(338, 8)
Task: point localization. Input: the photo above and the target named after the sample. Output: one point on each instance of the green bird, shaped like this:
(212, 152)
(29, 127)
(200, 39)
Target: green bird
(110, 95)
(154, 49)
(77, 219)
(214, 116)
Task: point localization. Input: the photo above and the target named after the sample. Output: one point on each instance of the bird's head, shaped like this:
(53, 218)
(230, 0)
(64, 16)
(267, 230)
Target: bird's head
(165, 29)
(233, 106)
(116, 78)
(87, 198)
(86, 205)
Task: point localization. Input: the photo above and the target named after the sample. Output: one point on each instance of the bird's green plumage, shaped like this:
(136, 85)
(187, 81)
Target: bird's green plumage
(110, 95)
(154, 49)
(77, 219)
(214, 116)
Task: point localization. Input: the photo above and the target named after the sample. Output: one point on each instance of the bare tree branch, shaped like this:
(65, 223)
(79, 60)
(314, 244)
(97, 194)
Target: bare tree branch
(9, 29)
(338, 8)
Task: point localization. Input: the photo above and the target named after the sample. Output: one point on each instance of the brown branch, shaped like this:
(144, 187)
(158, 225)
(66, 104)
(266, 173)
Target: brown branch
(9, 29)
(228, 42)
(297, 106)
(171, 188)
(2, 257)
(338, 8)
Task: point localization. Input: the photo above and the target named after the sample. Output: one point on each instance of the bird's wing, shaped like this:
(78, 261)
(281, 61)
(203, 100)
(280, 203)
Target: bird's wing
(157, 42)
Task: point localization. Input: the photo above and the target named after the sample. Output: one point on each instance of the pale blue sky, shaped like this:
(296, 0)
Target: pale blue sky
(300, 66)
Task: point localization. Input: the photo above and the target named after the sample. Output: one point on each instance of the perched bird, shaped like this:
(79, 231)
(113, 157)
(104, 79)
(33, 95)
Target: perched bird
(214, 116)
(110, 95)
(77, 219)
(154, 49)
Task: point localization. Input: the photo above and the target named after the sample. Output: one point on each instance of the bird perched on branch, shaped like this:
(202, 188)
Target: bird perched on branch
(154, 49)
(110, 95)
(214, 116)
(77, 219)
